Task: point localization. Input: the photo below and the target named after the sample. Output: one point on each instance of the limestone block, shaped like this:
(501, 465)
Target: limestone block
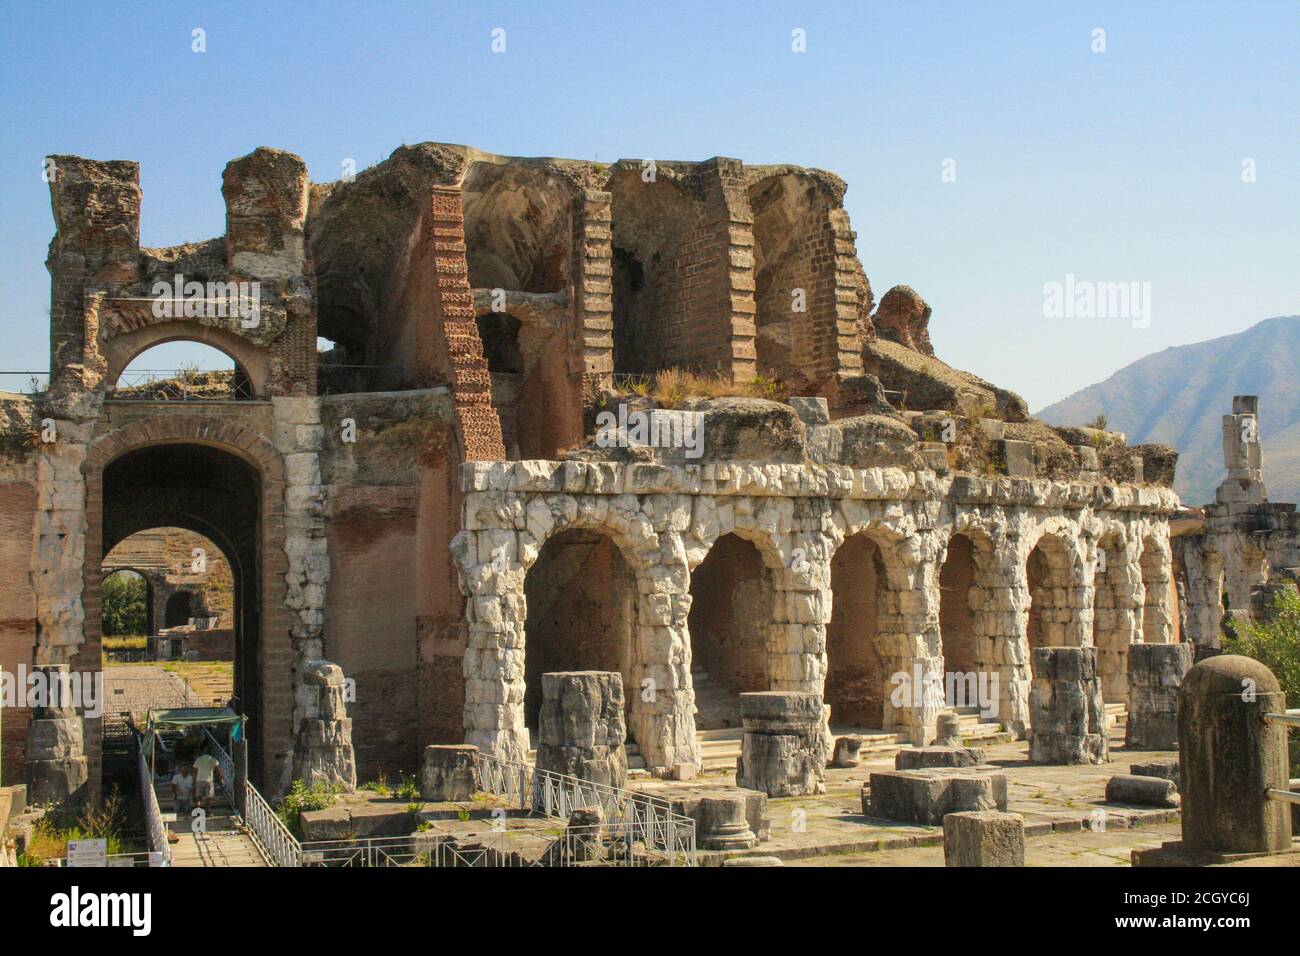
(847, 749)
(926, 757)
(582, 728)
(753, 861)
(927, 796)
(984, 838)
(781, 765)
(1144, 791)
(447, 772)
(811, 411)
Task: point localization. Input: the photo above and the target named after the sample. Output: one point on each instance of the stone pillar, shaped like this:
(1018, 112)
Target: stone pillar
(323, 749)
(663, 721)
(1229, 756)
(1243, 454)
(582, 731)
(1001, 642)
(1068, 719)
(1155, 672)
(57, 768)
(783, 752)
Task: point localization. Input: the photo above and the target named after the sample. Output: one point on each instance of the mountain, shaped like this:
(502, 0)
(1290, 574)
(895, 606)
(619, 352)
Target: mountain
(1179, 396)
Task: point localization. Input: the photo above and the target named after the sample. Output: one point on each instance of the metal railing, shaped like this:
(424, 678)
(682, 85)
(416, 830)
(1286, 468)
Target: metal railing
(155, 829)
(274, 841)
(1289, 719)
(227, 766)
(632, 816)
(278, 845)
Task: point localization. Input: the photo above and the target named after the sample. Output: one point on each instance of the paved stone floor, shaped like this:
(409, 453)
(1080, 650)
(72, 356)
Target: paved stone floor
(1067, 819)
(135, 688)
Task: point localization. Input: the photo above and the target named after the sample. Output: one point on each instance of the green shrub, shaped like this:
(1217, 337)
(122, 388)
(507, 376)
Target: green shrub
(1275, 643)
(301, 798)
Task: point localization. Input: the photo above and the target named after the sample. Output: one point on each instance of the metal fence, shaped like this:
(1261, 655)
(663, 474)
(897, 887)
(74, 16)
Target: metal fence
(631, 817)
(155, 829)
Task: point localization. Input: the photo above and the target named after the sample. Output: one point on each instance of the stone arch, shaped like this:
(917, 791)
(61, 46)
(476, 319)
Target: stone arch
(729, 631)
(881, 629)
(495, 565)
(581, 599)
(968, 618)
(857, 687)
(1053, 617)
(1157, 580)
(261, 573)
(251, 360)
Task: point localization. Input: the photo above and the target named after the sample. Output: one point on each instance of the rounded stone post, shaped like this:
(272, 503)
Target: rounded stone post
(1230, 756)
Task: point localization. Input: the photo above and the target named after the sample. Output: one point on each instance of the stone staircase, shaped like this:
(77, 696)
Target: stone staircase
(978, 732)
(1116, 714)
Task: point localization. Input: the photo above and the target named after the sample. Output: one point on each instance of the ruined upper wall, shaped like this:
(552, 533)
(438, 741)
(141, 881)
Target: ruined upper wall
(249, 293)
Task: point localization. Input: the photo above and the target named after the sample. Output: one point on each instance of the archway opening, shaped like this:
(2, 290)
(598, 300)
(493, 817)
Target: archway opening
(178, 610)
(855, 678)
(582, 614)
(208, 501)
(731, 609)
(126, 611)
(183, 370)
(957, 606)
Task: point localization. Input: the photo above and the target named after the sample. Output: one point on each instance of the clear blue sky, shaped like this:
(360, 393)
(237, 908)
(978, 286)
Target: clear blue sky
(1114, 166)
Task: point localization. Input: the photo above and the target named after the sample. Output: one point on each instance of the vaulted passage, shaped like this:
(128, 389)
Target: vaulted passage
(731, 607)
(213, 493)
(855, 679)
(581, 598)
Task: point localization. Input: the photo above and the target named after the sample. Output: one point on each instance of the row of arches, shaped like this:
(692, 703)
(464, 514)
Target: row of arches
(583, 607)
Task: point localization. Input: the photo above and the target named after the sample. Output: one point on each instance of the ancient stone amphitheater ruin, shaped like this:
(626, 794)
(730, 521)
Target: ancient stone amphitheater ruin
(440, 506)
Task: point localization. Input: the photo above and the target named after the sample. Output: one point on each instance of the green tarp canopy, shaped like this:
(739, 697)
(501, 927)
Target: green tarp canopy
(192, 716)
(181, 717)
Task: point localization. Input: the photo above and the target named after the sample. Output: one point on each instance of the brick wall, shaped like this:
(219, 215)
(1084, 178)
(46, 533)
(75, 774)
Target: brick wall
(17, 616)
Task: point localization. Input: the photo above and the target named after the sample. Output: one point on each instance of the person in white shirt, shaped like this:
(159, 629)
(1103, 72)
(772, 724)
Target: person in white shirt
(205, 765)
(183, 789)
